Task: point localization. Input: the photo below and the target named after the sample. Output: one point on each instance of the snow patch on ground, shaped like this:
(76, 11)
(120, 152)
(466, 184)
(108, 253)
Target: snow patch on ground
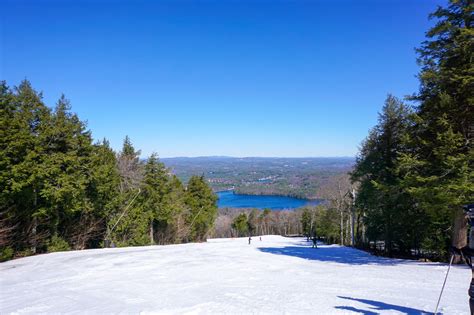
(273, 276)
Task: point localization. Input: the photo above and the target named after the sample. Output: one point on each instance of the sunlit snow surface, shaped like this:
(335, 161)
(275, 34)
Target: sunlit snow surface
(273, 276)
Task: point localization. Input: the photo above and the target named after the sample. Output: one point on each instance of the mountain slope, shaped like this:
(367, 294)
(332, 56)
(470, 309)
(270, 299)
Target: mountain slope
(275, 275)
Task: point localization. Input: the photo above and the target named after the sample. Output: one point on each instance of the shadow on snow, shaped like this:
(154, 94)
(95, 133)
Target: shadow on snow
(333, 253)
(379, 306)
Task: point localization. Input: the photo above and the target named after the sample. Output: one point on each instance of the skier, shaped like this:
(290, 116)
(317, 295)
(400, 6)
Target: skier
(315, 245)
(260, 238)
(467, 251)
(250, 239)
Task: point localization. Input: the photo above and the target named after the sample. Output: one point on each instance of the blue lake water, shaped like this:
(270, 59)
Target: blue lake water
(227, 199)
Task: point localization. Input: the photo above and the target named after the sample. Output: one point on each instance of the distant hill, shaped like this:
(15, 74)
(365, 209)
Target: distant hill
(298, 177)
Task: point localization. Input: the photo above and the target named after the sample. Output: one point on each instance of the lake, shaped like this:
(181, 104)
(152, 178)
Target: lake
(227, 199)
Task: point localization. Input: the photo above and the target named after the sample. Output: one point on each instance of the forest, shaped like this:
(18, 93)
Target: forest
(321, 222)
(415, 169)
(61, 191)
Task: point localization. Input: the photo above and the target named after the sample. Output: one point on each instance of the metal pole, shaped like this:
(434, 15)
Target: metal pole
(471, 246)
(444, 283)
(469, 210)
(471, 292)
(107, 237)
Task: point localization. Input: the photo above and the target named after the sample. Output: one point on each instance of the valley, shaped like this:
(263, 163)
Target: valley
(302, 178)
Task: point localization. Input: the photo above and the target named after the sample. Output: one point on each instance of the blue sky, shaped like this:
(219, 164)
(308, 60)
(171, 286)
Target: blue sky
(237, 78)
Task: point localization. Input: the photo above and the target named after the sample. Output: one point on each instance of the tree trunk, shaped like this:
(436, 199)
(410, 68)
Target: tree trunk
(353, 217)
(364, 239)
(152, 241)
(351, 222)
(342, 228)
(459, 239)
(348, 232)
(460, 230)
(358, 231)
(35, 222)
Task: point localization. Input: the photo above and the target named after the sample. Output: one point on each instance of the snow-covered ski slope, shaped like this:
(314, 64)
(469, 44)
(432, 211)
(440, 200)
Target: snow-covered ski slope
(274, 276)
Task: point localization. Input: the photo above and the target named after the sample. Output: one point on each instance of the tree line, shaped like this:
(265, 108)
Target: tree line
(414, 171)
(321, 221)
(250, 222)
(59, 190)
(415, 168)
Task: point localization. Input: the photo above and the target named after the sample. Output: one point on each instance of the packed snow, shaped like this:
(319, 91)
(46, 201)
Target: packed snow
(273, 276)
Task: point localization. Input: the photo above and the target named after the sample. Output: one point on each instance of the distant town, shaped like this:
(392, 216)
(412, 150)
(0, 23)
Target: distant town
(295, 177)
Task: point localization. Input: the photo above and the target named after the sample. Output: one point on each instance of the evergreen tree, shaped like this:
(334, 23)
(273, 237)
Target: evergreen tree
(130, 225)
(103, 190)
(59, 191)
(9, 127)
(239, 224)
(386, 205)
(156, 189)
(439, 169)
(130, 168)
(252, 221)
(307, 222)
(128, 149)
(67, 148)
(175, 224)
(201, 202)
(327, 221)
(28, 116)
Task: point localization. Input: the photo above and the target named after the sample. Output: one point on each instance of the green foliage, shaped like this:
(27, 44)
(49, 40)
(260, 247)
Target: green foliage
(252, 221)
(387, 208)
(59, 191)
(239, 224)
(6, 253)
(416, 169)
(438, 169)
(306, 222)
(23, 117)
(296, 177)
(129, 225)
(327, 221)
(128, 149)
(322, 222)
(57, 244)
(163, 201)
(201, 201)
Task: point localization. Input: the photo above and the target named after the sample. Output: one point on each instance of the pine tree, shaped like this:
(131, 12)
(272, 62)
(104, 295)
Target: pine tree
(127, 148)
(156, 188)
(25, 155)
(306, 222)
(239, 224)
(387, 206)
(130, 225)
(130, 168)
(67, 147)
(103, 190)
(176, 226)
(252, 221)
(8, 157)
(439, 168)
(201, 202)
(59, 191)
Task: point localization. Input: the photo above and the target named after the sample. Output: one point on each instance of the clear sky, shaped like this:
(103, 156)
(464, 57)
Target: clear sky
(237, 78)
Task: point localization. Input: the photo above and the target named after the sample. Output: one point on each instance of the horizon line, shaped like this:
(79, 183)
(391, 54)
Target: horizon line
(258, 157)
